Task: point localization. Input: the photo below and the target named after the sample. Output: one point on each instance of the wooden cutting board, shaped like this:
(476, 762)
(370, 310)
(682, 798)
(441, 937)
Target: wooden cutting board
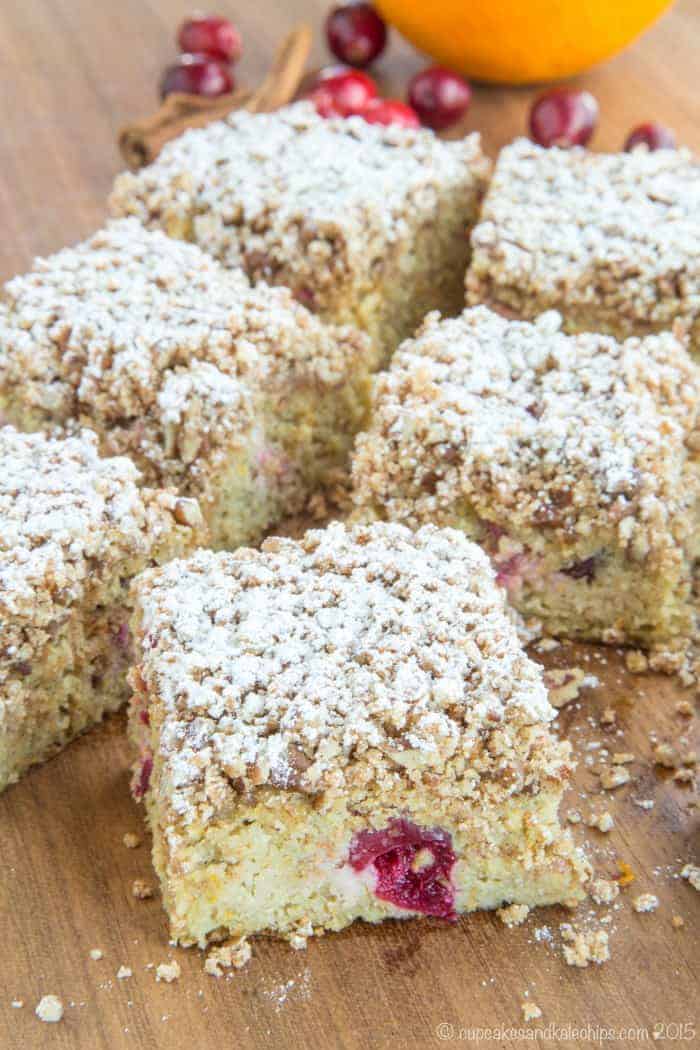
(75, 72)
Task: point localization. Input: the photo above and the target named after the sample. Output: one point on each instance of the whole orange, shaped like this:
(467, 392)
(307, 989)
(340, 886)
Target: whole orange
(520, 41)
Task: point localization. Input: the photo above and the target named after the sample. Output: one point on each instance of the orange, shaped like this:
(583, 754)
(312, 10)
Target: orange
(520, 41)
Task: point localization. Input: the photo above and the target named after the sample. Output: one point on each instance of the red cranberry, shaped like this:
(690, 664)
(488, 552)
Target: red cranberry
(563, 118)
(439, 97)
(349, 89)
(142, 779)
(323, 101)
(356, 34)
(212, 36)
(652, 135)
(197, 75)
(390, 111)
(413, 866)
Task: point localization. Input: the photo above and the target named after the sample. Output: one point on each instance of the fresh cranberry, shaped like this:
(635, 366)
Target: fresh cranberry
(212, 36)
(582, 570)
(340, 92)
(563, 118)
(652, 135)
(323, 101)
(413, 866)
(390, 111)
(197, 75)
(356, 34)
(439, 97)
(144, 717)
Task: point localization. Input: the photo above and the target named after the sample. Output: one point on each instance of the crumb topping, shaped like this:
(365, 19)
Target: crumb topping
(66, 517)
(523, 424)
(157, 346)
(261, 190)
(290, 665)
(616, 231)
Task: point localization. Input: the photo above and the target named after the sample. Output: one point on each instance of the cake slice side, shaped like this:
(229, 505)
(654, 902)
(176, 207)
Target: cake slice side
(75, 530)
(572, 460)
(343, 728)
(239, 398)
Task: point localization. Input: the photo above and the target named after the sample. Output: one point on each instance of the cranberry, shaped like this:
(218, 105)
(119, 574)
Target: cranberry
(340, 92)
(323, 101)
(197, 75)
(652, 135)
(563, 118)
(582, 570)
(413, 866)
(142, 779)
(212, 36)
(439, 97)
(356, 34)
(390, 111)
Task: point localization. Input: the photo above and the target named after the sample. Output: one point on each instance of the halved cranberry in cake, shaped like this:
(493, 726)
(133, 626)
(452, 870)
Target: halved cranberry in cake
(413, 866)
(142, 777)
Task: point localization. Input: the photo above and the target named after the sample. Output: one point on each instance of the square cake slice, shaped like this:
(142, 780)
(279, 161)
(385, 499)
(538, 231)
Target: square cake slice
(574, 461)
(343, 728)
(366, 224)
(74, 530)
(612, 241)
(240, 398)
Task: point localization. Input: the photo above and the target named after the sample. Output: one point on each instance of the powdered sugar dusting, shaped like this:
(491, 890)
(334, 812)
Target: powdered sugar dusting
(290, 184)
(287, 665)
(616, 234)
(532, 427)
(63, 511)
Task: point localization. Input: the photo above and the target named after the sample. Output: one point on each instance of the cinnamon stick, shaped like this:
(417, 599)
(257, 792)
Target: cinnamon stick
(140, 143)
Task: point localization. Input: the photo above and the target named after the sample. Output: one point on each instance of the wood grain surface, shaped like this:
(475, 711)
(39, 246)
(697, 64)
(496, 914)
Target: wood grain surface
(72, 72)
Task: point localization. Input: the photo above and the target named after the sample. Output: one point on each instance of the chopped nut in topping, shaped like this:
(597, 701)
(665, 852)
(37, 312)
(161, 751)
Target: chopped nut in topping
(124, 972)
(608, 717)
(131, 841)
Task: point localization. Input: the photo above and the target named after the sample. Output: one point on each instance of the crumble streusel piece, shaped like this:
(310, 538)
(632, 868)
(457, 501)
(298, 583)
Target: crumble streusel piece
(366, 224)
(610, 240)
(339, 728)
(74, 530)
(239, 397)
(574, 461)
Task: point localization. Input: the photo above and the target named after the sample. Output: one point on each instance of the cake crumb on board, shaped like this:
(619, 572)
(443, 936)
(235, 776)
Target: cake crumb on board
(49, 1009)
